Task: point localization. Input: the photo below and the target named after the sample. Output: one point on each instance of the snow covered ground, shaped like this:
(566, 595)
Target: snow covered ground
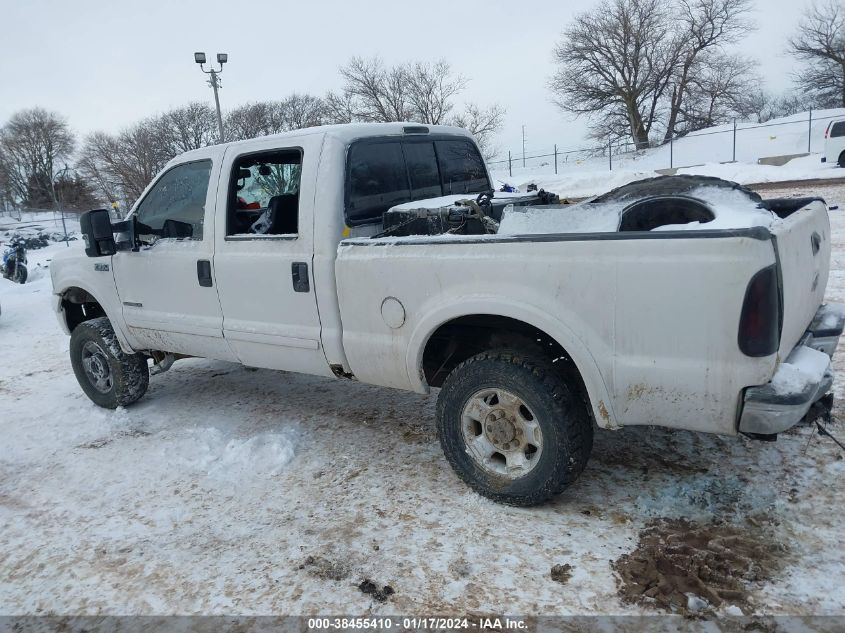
(229, 490)
(707, 152)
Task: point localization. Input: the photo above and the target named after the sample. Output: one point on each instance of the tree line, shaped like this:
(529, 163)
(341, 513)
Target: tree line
(44, 165)
(651, 70)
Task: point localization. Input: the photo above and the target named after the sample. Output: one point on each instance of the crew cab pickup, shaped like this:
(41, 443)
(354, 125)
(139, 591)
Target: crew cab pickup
(680, 302)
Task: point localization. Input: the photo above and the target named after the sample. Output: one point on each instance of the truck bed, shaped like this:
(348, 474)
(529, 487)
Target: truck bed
(649, 317)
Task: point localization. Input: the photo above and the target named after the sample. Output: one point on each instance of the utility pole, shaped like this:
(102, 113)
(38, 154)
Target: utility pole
(810, 133)
(733, 155)
(214, 82)
(671, 151)
(523, 146)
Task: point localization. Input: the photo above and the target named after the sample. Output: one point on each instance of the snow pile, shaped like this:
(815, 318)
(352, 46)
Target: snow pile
(801, 168)
(224, 458)
(802, 370)
(830, 315)
(733, 210)
(578, 218)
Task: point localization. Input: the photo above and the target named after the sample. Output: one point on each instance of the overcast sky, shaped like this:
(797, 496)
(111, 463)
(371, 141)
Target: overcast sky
(105, 64)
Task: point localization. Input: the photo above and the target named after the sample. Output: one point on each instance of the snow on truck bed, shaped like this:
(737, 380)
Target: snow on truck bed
(732, 208)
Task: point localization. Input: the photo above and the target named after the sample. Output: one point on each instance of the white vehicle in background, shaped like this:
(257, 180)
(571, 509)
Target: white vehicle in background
(380, 253)
(834, 143)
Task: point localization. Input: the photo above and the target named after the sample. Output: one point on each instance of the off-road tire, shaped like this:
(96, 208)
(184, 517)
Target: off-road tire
(841, 161)
(561, 411)
(129, 372)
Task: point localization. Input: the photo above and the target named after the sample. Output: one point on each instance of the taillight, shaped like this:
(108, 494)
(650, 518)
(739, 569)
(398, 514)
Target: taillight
(759, 323)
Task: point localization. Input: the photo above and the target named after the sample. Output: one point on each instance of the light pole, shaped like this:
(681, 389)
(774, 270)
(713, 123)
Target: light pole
(214, 82)
(56, 202)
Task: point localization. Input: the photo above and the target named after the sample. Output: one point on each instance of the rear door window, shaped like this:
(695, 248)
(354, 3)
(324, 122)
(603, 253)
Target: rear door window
(838, 129)
(461, 167)
(377, 180)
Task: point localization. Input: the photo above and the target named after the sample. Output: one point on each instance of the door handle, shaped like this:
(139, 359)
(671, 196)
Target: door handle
(204, 273)
(299, 273)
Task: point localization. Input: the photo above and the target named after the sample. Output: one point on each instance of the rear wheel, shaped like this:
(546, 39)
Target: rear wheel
(109, 376)
(841, 161)
(512, 428)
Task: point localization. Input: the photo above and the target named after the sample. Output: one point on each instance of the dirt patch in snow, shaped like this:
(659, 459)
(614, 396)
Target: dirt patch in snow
(647, 462)
(562, 573)
(105, 441)
(326, 568)
(687, 567)
(367, 586)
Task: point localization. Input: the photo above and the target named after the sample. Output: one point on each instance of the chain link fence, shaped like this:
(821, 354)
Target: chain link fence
(17, 219)
(725, 146)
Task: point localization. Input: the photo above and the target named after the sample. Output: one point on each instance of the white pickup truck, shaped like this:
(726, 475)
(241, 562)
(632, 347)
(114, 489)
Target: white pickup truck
(679, 302)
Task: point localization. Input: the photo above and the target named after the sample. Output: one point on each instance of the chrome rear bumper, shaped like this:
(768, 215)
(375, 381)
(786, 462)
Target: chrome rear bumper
(767, 410)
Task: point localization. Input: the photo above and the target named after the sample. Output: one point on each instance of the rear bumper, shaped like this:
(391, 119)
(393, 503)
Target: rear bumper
(770, 408)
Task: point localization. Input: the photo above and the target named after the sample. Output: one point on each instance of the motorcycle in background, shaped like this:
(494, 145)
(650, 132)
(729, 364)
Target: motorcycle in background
(13, 265)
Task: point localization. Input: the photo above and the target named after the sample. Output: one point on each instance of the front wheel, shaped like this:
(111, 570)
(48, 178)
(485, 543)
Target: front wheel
(512, 428)
(109, 376)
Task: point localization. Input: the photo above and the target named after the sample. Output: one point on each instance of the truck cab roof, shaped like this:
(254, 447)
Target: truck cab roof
(343, 132)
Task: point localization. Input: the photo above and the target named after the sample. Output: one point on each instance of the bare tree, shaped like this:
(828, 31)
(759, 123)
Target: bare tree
(339, 107)
(271, 117)
(717, 90)
(97, 163)
(483, 124)
(123, 165)
(190, 127)
(761, 106)
(616, 58)
(75, 192)
(254, 119)
(33, 146)
(301, 110)
(819, 44)
(378, 93)
(430, 90)
(417, 91)
(702, 26)
(758, 105)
